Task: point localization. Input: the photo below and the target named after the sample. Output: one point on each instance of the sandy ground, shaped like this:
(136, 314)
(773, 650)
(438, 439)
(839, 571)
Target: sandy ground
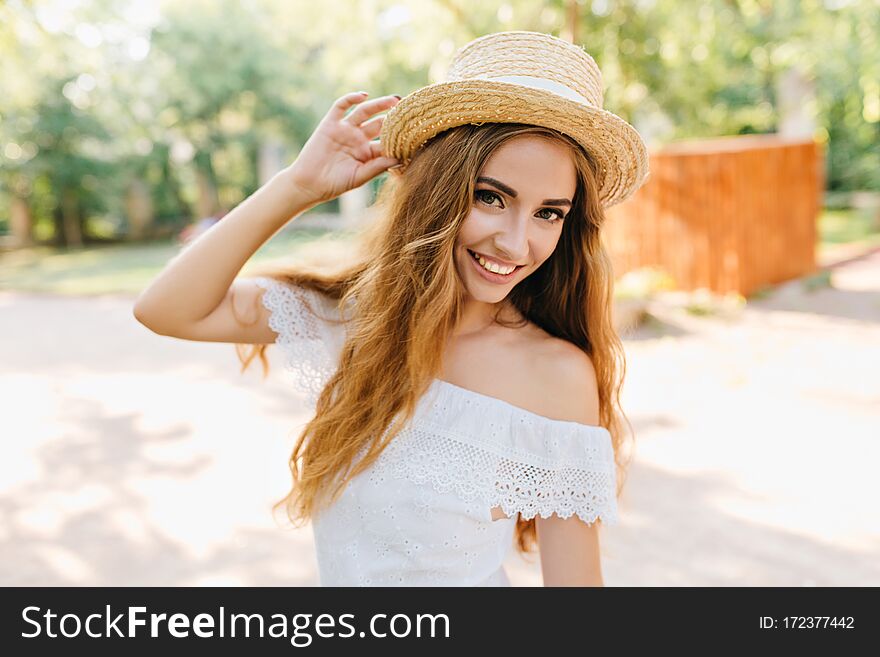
(134, 459)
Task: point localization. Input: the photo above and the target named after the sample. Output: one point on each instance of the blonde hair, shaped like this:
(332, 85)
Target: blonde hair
(409, 298)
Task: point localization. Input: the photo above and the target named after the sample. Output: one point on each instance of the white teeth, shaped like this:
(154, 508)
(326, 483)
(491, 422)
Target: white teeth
(493, 267)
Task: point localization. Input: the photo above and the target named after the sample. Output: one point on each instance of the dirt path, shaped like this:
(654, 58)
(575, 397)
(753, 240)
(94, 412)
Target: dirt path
(133, 459)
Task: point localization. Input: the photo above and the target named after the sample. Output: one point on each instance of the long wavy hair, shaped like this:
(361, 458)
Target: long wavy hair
(409, 297)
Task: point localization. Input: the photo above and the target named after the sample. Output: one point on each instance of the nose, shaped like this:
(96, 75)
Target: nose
(512, 241)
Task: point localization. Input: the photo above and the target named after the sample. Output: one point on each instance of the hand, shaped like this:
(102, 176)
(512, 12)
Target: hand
(340, 155)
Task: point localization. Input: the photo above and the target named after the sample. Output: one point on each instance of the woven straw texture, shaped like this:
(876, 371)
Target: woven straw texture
(469, 96)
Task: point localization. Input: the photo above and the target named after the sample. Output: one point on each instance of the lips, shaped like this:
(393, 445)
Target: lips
(490, 276)
(474, 255)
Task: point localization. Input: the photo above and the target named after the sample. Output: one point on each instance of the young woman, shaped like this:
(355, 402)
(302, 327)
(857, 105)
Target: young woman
(462, 363)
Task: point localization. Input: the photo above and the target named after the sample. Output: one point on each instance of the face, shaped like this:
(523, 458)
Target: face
(522, 195)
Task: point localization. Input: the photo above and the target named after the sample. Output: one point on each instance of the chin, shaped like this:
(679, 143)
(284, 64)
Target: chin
(487, 296)
(479, 291)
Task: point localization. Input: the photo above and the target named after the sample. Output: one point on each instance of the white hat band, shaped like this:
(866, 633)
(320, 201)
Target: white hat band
(542, 83)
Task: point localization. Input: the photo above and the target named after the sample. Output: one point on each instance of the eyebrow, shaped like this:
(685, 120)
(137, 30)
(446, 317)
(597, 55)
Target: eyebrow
(512, 192)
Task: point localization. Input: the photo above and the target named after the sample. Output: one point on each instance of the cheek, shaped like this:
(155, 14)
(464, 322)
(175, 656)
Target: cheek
(471, 229)
(544, 246)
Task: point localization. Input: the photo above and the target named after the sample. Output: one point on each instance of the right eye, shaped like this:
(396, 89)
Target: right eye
(483, 193)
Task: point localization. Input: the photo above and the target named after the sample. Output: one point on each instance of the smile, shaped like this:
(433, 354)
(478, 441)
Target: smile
(492, 271)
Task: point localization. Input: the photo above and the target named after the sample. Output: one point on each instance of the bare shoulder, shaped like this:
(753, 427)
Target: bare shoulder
(567, 378)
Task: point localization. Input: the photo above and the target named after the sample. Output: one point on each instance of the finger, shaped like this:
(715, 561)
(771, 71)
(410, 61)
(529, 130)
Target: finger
(373, 168)
(343, 103)
(376, 150)
(373, 127)
(366, 110)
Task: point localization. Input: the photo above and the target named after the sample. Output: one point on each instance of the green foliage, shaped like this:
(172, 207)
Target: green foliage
(846, 226)
(106, 269)
(101, 95)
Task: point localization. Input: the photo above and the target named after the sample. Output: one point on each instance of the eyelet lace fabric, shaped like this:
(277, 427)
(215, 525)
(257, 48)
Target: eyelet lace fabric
(301, 335)
(484, 449)
(420, 515)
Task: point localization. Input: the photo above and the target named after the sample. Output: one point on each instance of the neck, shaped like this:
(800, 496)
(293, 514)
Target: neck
(477, 316)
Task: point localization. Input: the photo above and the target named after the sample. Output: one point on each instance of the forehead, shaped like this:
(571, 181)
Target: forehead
(530, 163)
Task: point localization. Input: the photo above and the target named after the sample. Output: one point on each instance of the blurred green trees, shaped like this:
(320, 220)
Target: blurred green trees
(127, 119)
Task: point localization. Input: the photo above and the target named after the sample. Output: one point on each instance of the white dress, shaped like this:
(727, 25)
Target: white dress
(421, 514)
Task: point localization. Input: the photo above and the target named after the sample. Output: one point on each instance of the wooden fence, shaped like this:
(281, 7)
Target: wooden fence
(730, 214)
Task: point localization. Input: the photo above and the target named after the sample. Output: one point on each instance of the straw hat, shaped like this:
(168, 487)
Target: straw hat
(523, 77)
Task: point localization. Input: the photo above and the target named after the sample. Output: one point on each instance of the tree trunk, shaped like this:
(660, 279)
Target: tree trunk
(569, 30)
(70, 218)
(139, 209)
(208, 202)
(170, 179)
(21, 222)
(795, 91)
(270, 160)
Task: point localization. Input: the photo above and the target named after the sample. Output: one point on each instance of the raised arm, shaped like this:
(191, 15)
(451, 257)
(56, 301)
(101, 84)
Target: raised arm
(196, 296)
(192, 298)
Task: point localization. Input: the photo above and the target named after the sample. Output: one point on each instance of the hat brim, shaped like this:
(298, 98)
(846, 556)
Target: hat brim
(613, 143)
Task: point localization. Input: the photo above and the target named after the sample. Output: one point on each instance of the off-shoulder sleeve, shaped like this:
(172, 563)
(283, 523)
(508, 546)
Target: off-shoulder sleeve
(503, 455)
(303, 334)
(568, 470)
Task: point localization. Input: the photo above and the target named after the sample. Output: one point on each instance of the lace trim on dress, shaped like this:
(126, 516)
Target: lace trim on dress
(446, 463)
(490, 451)
(300, 335)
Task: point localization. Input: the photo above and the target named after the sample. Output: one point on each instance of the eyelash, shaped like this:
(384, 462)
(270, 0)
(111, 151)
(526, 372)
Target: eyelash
(559, 215)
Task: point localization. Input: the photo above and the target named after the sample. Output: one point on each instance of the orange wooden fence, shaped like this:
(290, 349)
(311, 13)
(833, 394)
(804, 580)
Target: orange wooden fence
(730, 214)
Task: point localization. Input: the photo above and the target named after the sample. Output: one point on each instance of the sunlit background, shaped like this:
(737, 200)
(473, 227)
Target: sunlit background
(748, 276)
